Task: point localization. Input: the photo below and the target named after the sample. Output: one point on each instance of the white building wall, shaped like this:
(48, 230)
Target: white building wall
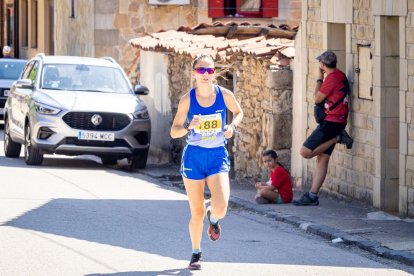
(153, 68)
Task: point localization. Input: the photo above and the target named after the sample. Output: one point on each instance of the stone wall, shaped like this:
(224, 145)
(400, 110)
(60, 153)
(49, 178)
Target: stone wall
(382, 127)
(74, 35)
(104, 27)
(350, 172)
(132, 19)
(265, 96)
(407, 115)
(180, 83)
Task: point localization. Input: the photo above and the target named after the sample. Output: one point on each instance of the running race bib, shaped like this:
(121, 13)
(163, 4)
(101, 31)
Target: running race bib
(210, 126)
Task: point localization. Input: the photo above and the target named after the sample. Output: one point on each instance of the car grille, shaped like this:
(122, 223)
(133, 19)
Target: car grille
(83, 121)
(88, 143)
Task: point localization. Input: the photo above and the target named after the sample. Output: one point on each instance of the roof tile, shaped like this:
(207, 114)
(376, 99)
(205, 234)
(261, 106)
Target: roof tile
(225, 41)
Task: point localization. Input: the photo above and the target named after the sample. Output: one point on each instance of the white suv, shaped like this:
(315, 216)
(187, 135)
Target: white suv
(76, 105)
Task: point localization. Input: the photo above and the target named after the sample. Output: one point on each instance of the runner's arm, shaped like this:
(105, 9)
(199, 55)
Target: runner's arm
(234, 106)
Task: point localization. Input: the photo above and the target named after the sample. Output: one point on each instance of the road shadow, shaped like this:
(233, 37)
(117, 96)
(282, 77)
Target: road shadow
(182, 272)
(159, 227)
(133, 224)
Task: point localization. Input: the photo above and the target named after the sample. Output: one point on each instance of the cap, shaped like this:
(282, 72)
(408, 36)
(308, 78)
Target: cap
(327, 58)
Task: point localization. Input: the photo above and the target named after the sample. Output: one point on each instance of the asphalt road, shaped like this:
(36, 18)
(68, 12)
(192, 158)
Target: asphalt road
(74, 216)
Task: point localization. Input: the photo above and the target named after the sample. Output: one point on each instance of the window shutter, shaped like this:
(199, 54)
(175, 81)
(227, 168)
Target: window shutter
(270, 8)
(215, 8)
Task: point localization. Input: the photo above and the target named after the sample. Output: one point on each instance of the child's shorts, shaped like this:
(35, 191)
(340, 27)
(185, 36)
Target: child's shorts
(199, 163)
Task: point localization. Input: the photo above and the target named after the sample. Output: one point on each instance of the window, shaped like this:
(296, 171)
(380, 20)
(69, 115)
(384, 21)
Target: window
(9, 25)
(243, 8)
(27, 69)
(25, 23)
(11, 69)
(72, 8)
(30, 71)
(33, 72)
(33, 26)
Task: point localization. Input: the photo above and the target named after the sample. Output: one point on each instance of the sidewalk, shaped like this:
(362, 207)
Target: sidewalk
(354, 222)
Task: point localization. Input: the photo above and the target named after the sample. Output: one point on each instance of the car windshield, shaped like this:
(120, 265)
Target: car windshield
(81, 77)
(11, 69)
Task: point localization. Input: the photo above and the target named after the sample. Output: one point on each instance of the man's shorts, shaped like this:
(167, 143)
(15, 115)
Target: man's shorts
(324, 132)
(199, 163)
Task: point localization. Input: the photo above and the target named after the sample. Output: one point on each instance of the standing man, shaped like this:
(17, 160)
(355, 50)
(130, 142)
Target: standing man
(333, 90)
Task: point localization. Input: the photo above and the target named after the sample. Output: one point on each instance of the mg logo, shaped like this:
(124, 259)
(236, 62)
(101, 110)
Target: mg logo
(96, 119)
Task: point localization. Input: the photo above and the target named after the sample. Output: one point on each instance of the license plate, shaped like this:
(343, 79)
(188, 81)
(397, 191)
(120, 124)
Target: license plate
(96, 136)
(6, 93)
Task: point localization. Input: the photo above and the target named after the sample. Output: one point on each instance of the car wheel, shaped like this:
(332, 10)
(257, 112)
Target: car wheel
(32, 155)
(139, 161)
(109, 160)
(11, 148)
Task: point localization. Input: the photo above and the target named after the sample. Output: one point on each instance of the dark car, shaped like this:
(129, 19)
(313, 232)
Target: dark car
(10, 70)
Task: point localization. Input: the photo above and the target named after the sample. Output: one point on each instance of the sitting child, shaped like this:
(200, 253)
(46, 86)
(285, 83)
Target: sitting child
(279, 188)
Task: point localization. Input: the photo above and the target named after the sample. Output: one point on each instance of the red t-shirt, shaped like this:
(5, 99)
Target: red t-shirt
(334, 86)
(280, 179)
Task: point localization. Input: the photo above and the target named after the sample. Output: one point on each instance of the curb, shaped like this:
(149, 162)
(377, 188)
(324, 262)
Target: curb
(330, 233)
(323, 231)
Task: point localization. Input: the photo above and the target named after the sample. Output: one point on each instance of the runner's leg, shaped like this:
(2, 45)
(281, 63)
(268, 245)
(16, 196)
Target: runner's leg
(219, 185)
(195, 194)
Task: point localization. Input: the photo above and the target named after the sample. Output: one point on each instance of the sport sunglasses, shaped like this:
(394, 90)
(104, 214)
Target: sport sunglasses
(203, 70)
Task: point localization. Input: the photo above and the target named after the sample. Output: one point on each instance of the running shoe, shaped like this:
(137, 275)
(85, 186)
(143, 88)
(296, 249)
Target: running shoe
(214, 230)
(195, 262)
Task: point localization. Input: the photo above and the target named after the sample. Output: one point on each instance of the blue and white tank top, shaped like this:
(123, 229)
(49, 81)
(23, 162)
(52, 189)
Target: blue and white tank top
(210, 133)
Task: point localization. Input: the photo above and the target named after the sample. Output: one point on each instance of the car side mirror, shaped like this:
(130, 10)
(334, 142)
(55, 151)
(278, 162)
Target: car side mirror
(25, 84)
(141, 90)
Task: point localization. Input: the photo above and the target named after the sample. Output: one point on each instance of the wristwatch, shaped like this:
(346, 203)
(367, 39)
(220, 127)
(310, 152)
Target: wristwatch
(320, 81)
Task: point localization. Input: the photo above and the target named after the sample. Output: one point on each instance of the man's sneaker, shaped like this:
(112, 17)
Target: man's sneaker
(305, 200)
(195, 262)
(214, 230)
(261, 200)
(344, 138)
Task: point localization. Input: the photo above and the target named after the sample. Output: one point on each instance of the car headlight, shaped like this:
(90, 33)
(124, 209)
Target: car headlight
(46, 109)
(142, 114)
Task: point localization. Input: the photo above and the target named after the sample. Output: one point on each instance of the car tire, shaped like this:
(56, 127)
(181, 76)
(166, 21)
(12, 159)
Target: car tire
(139, 161)
(109, 160)
(11, 148)
(32, 155)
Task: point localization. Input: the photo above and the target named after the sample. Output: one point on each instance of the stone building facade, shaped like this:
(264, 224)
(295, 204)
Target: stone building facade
(265, 95)
(104, 27)
(374, 42)
(95, 28)
(253, 68)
